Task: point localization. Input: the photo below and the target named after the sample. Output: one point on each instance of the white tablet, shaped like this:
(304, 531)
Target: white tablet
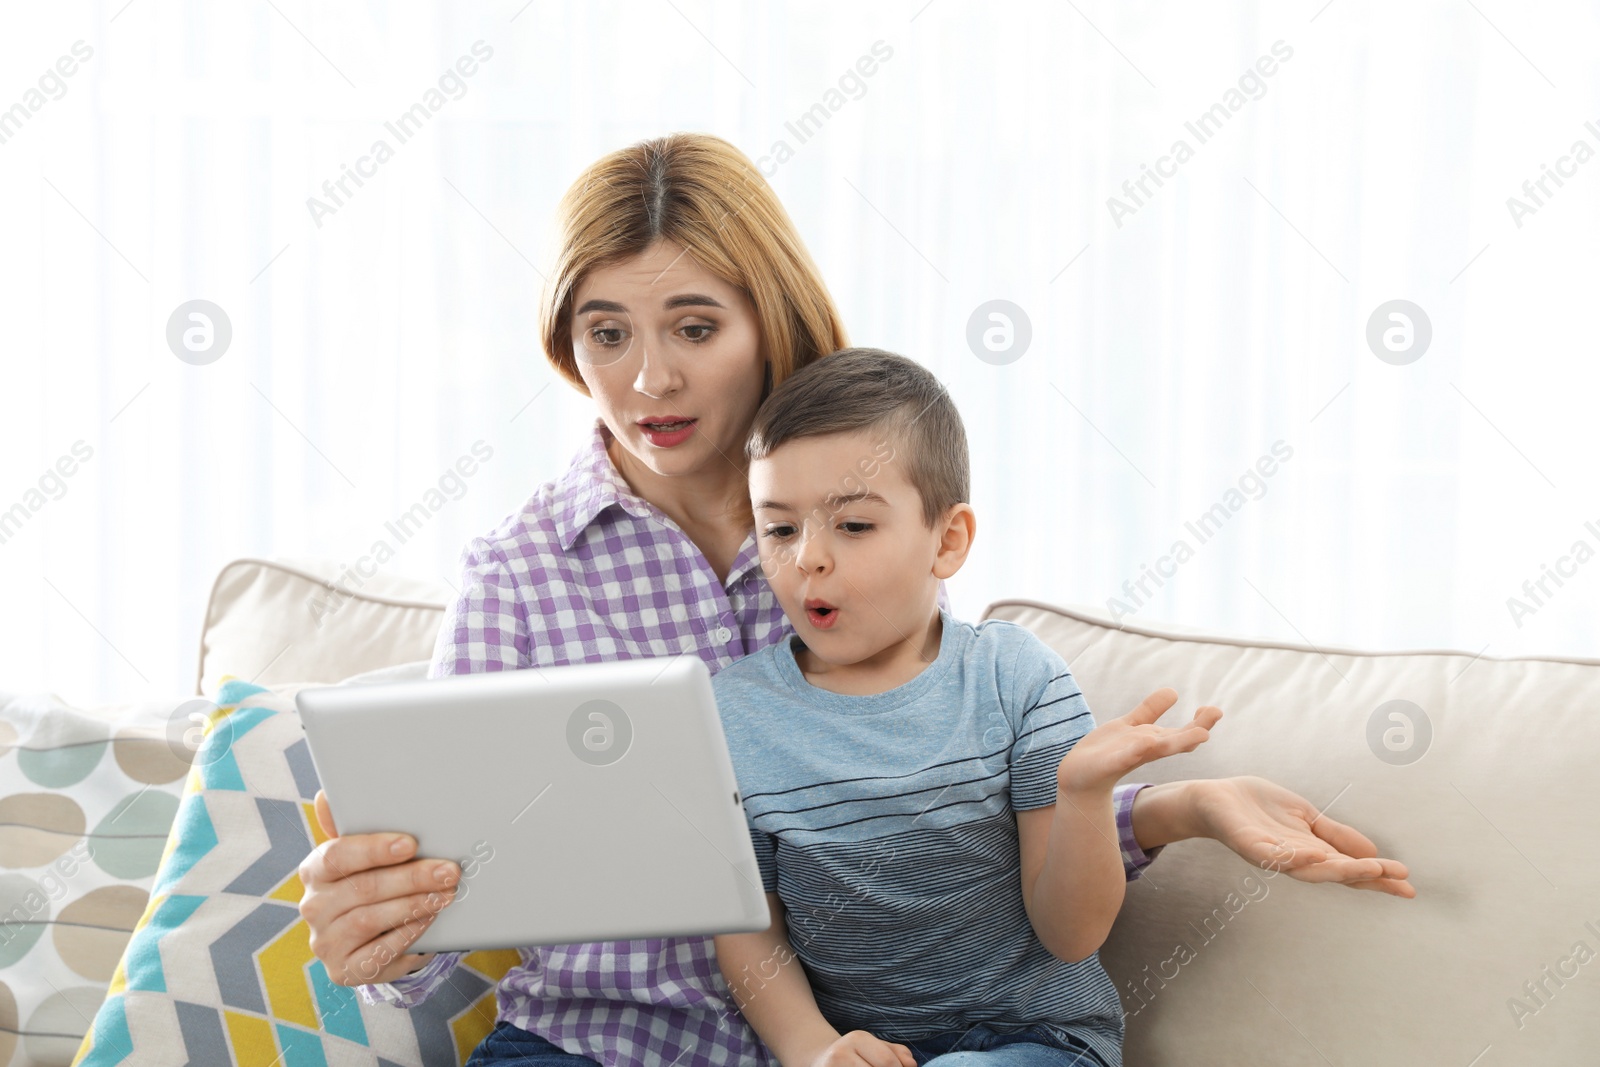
(591, 802)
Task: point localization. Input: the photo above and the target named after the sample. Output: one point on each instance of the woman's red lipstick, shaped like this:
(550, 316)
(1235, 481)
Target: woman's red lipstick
(656, 434)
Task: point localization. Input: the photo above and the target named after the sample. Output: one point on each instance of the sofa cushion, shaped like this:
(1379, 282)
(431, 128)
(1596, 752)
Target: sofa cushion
(311, 621)
(1476, 772)
(219, 968)
(86, 799)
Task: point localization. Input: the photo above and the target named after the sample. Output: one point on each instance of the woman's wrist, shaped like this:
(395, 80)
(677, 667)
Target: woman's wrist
(1168, 812)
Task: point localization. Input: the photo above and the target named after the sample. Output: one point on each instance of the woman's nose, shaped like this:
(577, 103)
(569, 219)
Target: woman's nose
(657, 378)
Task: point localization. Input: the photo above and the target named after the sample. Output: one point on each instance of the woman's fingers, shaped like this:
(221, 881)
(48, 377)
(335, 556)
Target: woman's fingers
(325, 814)
(353, 853)
(1350, 870)
(1279, 855)
(366, 898)
(396, 925)
(336, 899)
(1345, 838)
(1394, 887)
(1308, 864)
(381, 933)
(1382, 874)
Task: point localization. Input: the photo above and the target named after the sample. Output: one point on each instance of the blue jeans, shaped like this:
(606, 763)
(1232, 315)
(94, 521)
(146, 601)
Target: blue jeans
(983, 1047)
(512, 1046)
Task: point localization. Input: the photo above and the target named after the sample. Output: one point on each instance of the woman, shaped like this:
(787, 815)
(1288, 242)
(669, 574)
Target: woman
(682, 294)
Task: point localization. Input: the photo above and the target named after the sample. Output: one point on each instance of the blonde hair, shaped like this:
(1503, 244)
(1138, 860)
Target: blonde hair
(704, 195)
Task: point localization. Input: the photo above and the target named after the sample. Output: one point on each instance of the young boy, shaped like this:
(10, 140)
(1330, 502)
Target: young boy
(930, 800)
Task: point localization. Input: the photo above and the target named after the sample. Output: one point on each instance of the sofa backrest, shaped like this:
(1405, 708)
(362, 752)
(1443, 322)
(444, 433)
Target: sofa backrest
(278, 621)
(1476, 772)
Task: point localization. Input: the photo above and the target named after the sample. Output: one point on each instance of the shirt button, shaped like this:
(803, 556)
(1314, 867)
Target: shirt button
(723, 634)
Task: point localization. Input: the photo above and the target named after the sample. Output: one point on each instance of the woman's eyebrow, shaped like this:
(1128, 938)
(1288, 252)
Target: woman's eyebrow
(683, 300)
(688, 300)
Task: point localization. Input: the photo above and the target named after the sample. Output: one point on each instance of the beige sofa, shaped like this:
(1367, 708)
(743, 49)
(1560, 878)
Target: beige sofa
(1478, 773)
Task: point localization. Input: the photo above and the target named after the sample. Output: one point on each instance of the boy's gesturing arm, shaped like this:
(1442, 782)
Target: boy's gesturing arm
(1072, 874)
(772, 991)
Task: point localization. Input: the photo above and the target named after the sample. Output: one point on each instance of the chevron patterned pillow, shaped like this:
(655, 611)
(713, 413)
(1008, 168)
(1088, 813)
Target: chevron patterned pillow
(219, 969)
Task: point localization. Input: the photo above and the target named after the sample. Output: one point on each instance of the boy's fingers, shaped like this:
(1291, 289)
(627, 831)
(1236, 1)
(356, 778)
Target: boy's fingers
(883, 1054)
(1152, 707)
(1170, 741)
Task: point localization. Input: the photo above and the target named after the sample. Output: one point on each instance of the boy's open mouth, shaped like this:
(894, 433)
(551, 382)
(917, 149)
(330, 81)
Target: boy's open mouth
(821, 614)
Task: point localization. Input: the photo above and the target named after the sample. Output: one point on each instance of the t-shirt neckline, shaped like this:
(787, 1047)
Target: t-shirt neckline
(866, 704)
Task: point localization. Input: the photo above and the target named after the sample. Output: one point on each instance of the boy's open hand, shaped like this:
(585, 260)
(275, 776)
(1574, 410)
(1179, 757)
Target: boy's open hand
(859, 1047)
(1105, 754)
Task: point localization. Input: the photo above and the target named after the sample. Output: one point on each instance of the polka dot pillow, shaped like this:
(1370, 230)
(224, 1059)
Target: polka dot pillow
(86, 801)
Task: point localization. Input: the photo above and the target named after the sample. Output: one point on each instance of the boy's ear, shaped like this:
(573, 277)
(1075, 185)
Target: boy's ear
(960, 527)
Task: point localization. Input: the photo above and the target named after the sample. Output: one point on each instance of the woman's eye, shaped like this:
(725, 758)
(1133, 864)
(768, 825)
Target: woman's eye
(606, 336)
(704, 335)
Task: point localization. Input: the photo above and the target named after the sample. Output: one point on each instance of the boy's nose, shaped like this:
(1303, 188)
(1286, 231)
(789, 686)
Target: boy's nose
(812, 556)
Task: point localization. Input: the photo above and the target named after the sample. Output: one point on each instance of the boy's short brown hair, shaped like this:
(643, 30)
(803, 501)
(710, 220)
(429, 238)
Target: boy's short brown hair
(870, 390)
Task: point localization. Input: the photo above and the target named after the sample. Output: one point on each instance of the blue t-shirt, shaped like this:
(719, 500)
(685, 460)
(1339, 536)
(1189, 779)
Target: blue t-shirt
(886, 825)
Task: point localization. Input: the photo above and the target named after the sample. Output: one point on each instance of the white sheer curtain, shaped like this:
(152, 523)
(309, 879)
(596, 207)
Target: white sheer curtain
(1175, 339)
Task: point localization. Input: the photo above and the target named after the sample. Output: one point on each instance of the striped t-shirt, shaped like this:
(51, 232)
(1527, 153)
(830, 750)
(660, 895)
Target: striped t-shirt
(886, 825)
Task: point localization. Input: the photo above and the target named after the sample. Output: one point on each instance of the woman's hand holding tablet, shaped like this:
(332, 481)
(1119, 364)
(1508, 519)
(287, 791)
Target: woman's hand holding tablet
(366, 900)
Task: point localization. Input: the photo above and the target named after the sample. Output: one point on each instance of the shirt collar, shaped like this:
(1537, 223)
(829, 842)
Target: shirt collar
(590, 485)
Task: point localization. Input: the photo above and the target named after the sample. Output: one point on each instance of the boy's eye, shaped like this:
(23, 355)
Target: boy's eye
(786, 530)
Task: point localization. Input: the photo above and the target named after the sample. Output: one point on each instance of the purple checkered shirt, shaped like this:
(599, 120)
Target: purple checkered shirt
(588, 570)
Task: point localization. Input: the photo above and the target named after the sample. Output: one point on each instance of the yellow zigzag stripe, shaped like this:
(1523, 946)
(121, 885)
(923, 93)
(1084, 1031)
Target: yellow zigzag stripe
(252, 1041)
(473, 1025)
(283, 972)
